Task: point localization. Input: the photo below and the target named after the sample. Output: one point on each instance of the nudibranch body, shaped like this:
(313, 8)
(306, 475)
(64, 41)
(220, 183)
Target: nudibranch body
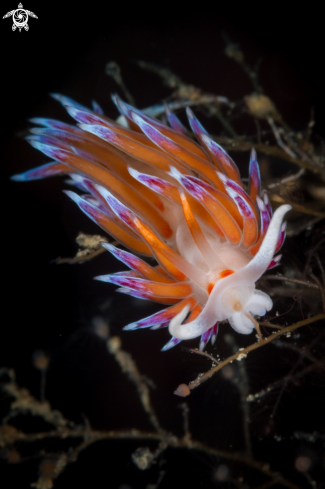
(162, 195)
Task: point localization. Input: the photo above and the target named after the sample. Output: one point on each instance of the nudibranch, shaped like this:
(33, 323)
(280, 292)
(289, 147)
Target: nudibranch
(160, 194)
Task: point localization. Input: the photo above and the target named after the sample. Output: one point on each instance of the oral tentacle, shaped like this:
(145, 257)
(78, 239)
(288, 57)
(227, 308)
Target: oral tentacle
(259, 263)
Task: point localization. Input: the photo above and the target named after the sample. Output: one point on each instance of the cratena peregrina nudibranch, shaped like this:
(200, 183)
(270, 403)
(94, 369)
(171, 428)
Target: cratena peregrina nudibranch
(162, 195)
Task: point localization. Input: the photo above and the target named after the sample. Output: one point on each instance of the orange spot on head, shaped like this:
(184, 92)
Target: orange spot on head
(222, 274)
(210, 287)
(225, 273)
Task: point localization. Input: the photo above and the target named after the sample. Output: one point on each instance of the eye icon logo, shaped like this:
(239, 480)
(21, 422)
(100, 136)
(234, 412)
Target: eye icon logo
(20, 18)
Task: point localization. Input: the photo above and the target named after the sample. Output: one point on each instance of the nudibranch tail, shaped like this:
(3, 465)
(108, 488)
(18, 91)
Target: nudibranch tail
(160, 194)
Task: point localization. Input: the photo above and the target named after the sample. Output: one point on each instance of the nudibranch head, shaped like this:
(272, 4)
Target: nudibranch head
(160, 194)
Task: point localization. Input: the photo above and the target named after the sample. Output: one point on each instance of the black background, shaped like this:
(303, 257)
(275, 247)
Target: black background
(51, 307)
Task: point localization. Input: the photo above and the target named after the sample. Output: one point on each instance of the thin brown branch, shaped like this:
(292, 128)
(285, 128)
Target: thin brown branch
(297, 207)
(293, 144)
(25, 403)
(289, 179)
(304, 352)
(321, 290)
(243, 387)
(90, 247)
(185, 411)
(285, 380)
(241, 382)
(270, 325)
(292, 280)
(80, 259)
(311, 253)
(234, 52)
(321, 268)
(302, 226)
(242, 145)
(192, 94)
(242, 353)
(113, 70)
(215, 111)
(268, 484)
(130, 368)
(11, 436)
(172, 441)
(202, 353)
(278, 138)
